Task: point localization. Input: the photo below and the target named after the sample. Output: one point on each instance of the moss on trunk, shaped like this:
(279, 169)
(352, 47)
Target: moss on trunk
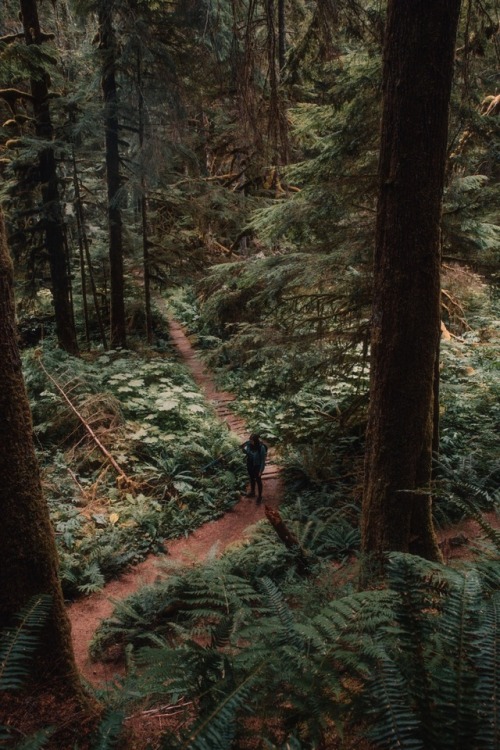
(29, 558)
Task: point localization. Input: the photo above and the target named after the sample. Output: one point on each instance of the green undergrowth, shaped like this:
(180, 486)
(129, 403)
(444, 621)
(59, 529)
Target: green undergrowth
(328, 535)
(317, 417)
(150, 416)
(240, 651)
(252, 645)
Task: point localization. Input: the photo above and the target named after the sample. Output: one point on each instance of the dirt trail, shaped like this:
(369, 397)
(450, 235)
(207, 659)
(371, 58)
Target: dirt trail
(210, 539)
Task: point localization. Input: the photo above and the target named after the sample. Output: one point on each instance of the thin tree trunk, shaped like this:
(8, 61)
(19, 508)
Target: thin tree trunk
(144, 211)
(436, 421)
(29, 558)
(83, 279)
(54, 235)
(281, 34)
(418, 71)
(82, 235)
(108, 82)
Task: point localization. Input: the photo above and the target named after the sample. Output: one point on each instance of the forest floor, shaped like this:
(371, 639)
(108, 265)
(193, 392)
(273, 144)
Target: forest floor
(210, 539)
(457, 543)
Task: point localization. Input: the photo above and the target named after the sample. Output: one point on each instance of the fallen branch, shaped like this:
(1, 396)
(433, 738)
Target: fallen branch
(123, 478)
(289, 540)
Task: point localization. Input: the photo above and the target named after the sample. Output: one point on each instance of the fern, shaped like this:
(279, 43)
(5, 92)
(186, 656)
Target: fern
(287, 632)
(35, 741)
(488, 683)
(470, 510)
(18, 645)
(216, 730)
(394, 724)
(439, 651)
(109, 730)
(17, 648)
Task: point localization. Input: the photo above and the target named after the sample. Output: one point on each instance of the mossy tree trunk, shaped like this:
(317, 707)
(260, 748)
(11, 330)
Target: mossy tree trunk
(52, 213)
(107, 45)
(29, 565)
(417, 76)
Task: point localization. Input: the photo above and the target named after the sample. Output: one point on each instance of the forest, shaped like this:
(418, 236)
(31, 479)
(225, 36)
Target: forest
(229, 218)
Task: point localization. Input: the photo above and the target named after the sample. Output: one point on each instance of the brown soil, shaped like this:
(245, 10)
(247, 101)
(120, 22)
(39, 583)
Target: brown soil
(211, 539)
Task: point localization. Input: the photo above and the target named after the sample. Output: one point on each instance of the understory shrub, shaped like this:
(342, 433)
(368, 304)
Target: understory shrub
(411, 665)
(148, 414)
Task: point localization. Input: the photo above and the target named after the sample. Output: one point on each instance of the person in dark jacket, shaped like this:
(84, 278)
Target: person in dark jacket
(256, 453)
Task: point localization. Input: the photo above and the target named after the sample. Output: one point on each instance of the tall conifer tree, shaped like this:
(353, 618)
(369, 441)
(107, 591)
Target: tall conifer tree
(52, 213)
(417, 76)
(107, 45)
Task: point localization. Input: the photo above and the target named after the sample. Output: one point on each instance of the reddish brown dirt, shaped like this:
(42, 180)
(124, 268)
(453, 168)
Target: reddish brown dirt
(211, 539)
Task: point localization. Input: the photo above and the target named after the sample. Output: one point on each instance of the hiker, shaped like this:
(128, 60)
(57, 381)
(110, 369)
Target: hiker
(256, 453)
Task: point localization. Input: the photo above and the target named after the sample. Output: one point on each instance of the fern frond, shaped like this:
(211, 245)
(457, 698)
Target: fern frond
(109, 730)
(488, 684)
(471, 511)
(395, 724)
(453, 671)
(216, 730)
(289, 632)
(36, 741)
(17, 645)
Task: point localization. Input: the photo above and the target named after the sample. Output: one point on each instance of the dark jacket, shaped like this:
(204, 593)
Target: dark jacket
(256, 459)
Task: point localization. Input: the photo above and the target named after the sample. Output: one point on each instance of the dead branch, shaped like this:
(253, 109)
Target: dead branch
(12, 95)
(123, 478)
(491, 105)
(455, 310)
(75, 480)
(11, 37)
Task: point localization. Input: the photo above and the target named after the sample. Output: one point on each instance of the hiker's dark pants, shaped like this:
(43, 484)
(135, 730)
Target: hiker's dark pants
(253, 473)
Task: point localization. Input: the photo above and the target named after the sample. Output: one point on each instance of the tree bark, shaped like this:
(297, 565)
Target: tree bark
(417, 75)
(144, 209)
(29, 558)
(108, 47)
(281, 34)
(84, 243)
(53, 221)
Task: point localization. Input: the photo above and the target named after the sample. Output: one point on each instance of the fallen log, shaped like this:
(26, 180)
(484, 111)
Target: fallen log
(290, 540)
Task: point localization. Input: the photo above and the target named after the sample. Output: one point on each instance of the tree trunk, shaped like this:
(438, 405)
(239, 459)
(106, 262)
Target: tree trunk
(54, 235)
(417, 76)
(281, 34)
(144, 209)
(29, 559)
(108, 47)
(84, 242)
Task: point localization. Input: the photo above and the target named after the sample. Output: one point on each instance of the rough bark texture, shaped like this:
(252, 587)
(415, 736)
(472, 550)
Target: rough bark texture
(54, 234)
(107, 47)
(29, 565)
(418, 71)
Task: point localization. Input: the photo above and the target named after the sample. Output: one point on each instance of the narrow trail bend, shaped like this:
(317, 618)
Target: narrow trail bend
(211, 538)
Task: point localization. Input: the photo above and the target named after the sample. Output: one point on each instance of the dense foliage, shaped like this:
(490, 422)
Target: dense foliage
(247, 142)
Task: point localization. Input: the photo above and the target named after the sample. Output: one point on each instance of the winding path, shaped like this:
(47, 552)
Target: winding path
(211, 538)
